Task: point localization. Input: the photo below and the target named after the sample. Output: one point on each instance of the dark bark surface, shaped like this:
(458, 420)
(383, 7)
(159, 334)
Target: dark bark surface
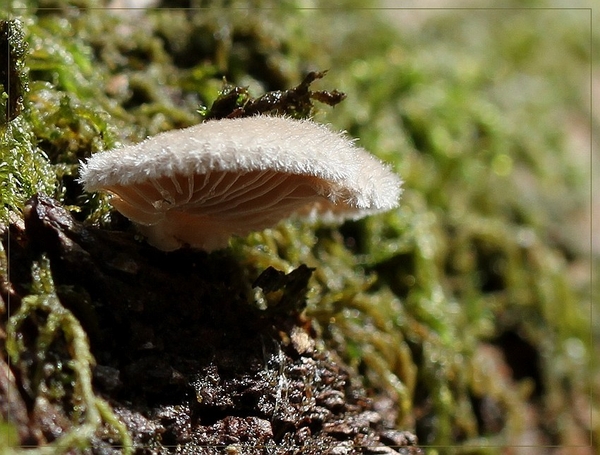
(185, 358)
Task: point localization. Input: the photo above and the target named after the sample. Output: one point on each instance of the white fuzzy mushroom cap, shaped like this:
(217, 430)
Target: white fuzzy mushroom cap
(200, 185)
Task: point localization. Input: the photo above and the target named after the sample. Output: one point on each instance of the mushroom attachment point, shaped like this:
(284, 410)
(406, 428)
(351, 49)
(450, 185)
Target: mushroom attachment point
(200, 185)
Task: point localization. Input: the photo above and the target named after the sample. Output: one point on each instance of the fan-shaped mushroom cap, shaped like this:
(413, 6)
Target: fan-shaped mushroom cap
(200, 185)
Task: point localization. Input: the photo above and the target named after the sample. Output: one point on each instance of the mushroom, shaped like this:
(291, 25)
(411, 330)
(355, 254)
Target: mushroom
(200, 185)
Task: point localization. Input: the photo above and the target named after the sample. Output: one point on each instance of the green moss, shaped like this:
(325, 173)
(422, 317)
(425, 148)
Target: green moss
(13, 80)
(24, 169)
(465, 107)
(68, 378)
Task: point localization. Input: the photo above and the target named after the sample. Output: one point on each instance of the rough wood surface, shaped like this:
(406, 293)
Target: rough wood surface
(185, 359)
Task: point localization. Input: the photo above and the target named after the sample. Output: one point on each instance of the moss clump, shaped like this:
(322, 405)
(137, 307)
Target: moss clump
(60, 384)
(466, 307)
(13, 80)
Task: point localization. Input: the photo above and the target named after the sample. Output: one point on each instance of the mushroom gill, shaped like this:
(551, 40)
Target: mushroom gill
(200, 185)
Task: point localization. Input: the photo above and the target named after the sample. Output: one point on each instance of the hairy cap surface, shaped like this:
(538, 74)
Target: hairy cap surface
(198, 186)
